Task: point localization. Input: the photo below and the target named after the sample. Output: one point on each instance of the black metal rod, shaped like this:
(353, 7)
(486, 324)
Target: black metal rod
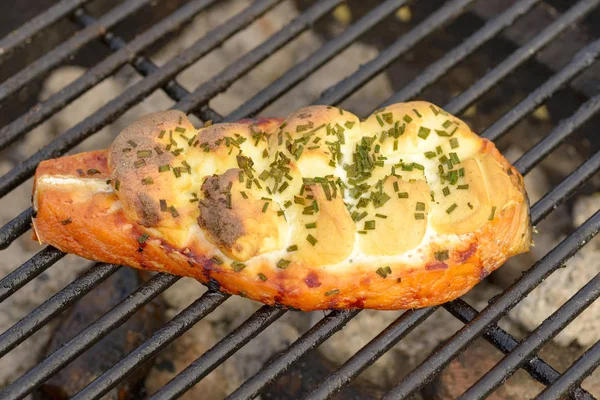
(459, 53)
(370, 353)
(123, 53)
(582, 60)
(225, 78)
(314, 61)
(220, 352)
(15, 228)
(324, 329)
(551, 141)
(572, 377)
(504, 342)
(38, 23)
(31, 268)
(524, 53)
(69, 47)
(442, 16)
(142, 64)
(88, 337)
(134, 94)
(423, 373)
(33, 321)
(542, 334)
(159, 340)
(565, 189)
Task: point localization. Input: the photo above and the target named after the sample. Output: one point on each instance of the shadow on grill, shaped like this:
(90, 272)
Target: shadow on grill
(521, 73)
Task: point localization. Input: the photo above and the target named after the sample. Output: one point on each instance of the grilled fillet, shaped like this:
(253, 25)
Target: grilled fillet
(408, 208)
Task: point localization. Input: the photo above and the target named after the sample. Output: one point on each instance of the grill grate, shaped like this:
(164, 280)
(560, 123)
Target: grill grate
(519, 354)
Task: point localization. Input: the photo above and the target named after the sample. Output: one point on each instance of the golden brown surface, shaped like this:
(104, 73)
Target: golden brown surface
(406, 209)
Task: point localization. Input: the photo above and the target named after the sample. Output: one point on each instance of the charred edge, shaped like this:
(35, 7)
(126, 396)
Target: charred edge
(465, 255)
(312, 280)
(434, 265)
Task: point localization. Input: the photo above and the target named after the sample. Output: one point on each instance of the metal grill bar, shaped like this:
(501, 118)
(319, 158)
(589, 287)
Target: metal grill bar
(504, 342)
(37, 264)
(582, 60)
(584, 366)
(370, 353)
(543, 148)
(159, 340)
(90, 335)
(257, 322)
(38, 23)
(564, 189)
(225, 78)
(443, 16)
(453, 57)
(536, 340)
(124, 53)
(15, 228)
(325, 328)
(33, 321)
(118, 106)
(524, 53)
(492, 313)
(314, 61)
(67, 48)
(143, 65)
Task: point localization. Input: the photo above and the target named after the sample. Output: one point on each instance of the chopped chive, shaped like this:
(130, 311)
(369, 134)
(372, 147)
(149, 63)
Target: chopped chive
(80, 172)
(147, 181)
(92, 171)
(163, 205)
(418, 166)
(173, 212)
(435, 111)
(287, 204)
(132, 143)
(299, 200)
(407, 119)
(395, 145)
(418, 114)
(117, 184)
(419, 216)
(430, 154)
(311, 239)
(396, 186)
(470, 205)
(164, 168)
(265, 206)
(438, 149)
(143, 238)
(451, 208)
(454, 158)
(461, 172)
(454, 143)
(180, 129)
(237, 266)
(283, 264)
(66, 221)
(383, 216)
(369, 225)
(361, 232)
(161, 134)
(177, 172)
(492, 213)
(420, 206)
(312, 225)
(332, 292)
(462, 187)
(244, 195)
(217, 260)
(403, 195)
(423, 132)
(379, 120)
(442, 255)
(349, 124)
(139, 163)
(382, 272)
(446, 191)
(447, 124)
(293, 247)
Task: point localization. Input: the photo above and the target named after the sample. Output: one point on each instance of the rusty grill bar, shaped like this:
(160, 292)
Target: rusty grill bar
(519, 354)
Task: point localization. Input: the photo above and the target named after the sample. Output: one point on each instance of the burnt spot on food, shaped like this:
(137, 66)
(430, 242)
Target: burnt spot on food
(358, 303)
(312, 280)
(465, 255)
(147, 208)
(222, 223)
(435, 265)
